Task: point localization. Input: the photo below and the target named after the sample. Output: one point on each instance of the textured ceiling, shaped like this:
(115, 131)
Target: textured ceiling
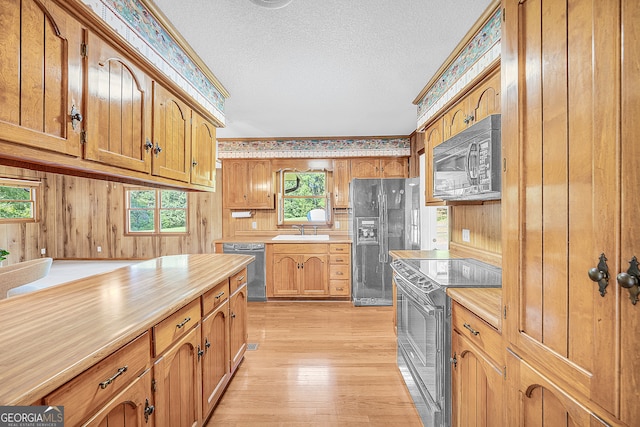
(322, 67)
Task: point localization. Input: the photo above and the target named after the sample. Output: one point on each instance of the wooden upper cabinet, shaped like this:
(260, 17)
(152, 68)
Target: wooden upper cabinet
(569, 142)
(40, 76)
(341, 178)
(433, 136)
(118, 116)
(379, 168)
(171, 136)
(203, 146)
(247, 184)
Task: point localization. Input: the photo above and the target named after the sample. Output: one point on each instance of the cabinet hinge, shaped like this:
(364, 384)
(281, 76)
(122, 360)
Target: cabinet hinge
(504, 14)
(83, 136)
(454, 360)
(154, 385)
(504, 372)
(504, 315)
(83, 49)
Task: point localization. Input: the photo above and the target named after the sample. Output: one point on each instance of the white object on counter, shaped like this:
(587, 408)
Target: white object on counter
(63, 271)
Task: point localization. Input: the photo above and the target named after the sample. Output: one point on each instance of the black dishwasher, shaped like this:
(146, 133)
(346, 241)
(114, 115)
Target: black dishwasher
(256, 271)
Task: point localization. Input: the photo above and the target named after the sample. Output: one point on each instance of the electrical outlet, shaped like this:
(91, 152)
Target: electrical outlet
(254, 225)
(337, 224)
(99, 249)
(466, 271)
(466, 236)
(43, 251)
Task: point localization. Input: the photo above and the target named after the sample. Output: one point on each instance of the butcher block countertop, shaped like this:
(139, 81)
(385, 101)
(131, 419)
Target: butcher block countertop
(268, 238)
(51, 335)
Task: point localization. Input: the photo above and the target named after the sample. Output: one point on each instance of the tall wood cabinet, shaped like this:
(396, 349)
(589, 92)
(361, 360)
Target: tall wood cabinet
(40, 76)
(571, 78)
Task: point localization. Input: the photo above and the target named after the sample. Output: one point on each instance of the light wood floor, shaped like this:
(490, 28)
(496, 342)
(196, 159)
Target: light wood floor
(318, 364)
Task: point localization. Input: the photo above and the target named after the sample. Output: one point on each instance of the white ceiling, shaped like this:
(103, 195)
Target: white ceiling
(319, 68)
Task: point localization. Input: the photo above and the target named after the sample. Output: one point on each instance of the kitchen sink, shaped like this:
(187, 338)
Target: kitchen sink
(306, 237)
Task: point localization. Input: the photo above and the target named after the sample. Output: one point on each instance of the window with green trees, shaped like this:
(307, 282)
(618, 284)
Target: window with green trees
(17, 200)
(156, 211)
(304, 197)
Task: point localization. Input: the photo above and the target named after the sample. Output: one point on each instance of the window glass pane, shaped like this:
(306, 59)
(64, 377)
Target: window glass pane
(304, 183)
(173, 199)
(304, 209)
(173, 221)
(140, 199)
(16, 210)
(141, 220)
(15, 193)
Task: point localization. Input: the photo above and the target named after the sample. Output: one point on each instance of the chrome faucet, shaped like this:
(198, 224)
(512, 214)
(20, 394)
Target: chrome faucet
(299, 227)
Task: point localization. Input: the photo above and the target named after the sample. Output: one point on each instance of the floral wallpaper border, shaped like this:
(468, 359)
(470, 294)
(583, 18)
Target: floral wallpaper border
(314, 148)
(479, 53)
(133, 21)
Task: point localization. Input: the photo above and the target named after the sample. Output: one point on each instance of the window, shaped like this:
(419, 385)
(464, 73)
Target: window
(156, 211)
(18, 200)
(303, 198)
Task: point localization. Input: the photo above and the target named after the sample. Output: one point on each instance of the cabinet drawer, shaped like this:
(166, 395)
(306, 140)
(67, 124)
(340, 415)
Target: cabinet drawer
(300, 248)
(237, 280)
(176, 325)
(339, 259)
(86, 393)
(214, 297)
(339, 248)
(478, 331)
(339, 287)
(339, 271)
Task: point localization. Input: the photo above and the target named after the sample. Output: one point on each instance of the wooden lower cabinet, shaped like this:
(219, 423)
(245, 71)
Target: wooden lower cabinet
(215, 360)
(133, 407)
(238, 326)
(300, 275)
(477, 376)
(340, 269)
(177, 383)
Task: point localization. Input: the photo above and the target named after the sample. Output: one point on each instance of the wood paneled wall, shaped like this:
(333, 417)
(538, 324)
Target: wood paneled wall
(483, 223)
(79, 214)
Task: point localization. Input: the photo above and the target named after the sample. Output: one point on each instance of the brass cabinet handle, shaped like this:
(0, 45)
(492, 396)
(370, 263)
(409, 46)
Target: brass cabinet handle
(184, 322)
(630, 280)
(473, 331)
(105, 384)
(600, 274)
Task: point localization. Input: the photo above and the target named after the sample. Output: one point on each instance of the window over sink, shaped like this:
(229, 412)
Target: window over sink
(303, 198)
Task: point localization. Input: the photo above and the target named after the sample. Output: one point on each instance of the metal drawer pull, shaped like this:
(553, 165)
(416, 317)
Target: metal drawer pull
(220, 295)
(121, 371)
(338, 273)
(240, 279)
(473, 331)
(339, 260)
(184, 322)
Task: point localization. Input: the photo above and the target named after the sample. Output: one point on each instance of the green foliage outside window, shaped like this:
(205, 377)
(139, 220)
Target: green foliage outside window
(150, 210)
(17, 202)
(303, 192)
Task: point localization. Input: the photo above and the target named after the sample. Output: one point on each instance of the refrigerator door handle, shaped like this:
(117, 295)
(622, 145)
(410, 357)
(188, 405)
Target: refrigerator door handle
(384, 232)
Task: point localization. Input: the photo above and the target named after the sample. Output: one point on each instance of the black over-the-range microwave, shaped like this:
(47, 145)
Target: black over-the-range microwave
(467, 166)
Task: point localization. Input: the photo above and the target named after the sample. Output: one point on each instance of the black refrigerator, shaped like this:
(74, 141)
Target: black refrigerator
(385, 215)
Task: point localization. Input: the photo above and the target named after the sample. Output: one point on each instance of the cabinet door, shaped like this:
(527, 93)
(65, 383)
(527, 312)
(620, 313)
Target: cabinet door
(457, 119)
(286, 275)
(178, 388)
(259, 193)
(203, 155)
(365, 168)
(477, 386)
(394, 168)
(118, 118)
(215, 361)
(341, 178)
(238, 326)
(314, 275)
(484, 100)
(171, 136)
(40, 76)
(133, 407)
(235, 183)
(571, 133)
(433, 138)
